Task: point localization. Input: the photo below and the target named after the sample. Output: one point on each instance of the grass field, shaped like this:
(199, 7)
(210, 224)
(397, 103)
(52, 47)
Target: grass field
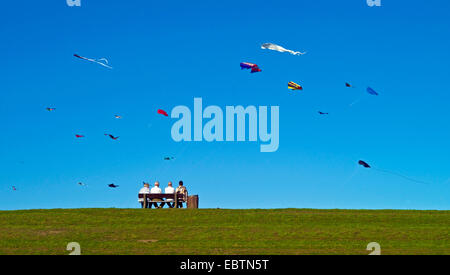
(217, 231)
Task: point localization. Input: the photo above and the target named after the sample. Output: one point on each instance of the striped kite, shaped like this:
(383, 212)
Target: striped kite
(294, 86)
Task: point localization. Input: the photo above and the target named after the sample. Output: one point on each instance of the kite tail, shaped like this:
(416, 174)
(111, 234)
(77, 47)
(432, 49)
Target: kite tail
(296, 53)
(402, 176)
(103, 64)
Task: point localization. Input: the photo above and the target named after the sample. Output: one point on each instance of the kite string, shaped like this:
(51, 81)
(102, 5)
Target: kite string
(355, 171)
(400, 175)
(354, 102)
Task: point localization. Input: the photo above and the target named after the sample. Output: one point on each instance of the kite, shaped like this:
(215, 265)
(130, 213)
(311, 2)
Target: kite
(363, 163)
(14, 188)
(322, 113)
(162, 112)
(294, 86)
(81, 184)
(274, 47)
(112, 185)
(254, 67)
(104, 63)
(348, 85)
(366, 165)
(371, 91)
(50, 109)
(117, 116)
(79, 136)
(111, 136)
(169, 158)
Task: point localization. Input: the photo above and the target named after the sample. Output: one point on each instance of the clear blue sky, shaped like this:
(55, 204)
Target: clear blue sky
(165, 53)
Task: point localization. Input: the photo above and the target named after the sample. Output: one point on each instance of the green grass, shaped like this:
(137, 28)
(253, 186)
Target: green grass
(217, 231)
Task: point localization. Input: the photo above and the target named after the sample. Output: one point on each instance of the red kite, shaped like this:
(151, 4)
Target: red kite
(162, 112)
(79, 136)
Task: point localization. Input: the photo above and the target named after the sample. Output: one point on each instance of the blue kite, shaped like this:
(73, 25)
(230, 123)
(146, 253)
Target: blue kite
(371, 91)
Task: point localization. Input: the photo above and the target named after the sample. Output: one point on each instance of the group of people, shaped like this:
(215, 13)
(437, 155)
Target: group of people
(181, 191)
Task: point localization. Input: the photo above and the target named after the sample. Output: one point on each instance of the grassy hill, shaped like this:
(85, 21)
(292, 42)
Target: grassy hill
(217, 231)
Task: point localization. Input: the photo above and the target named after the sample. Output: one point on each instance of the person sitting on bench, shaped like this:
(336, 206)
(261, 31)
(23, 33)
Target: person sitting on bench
(183, 191)
(170, 190)
(144, 190)
(157, 190)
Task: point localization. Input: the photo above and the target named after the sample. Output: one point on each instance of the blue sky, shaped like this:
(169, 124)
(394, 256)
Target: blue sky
(166, 53)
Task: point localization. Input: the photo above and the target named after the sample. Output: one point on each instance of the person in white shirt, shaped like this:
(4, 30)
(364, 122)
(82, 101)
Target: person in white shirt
(157, 190)
(170, 190)
(145, 190)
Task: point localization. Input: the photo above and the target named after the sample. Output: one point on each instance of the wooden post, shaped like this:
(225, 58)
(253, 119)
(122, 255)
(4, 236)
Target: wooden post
(145, 200)
(192, 202)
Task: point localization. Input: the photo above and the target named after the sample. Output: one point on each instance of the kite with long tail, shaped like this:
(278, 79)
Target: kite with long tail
(278, 48)
(366, 165)
(98, 61)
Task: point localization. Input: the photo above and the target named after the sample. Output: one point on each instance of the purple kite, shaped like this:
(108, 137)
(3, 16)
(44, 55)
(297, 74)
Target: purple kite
(254, 67)
(363, 163)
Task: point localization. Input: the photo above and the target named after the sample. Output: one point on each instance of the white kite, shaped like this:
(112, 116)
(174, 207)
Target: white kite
(104, 63)
(278, 48)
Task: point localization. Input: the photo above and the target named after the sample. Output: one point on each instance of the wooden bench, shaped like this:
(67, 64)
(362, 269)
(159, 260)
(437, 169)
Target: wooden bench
(176, 197)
